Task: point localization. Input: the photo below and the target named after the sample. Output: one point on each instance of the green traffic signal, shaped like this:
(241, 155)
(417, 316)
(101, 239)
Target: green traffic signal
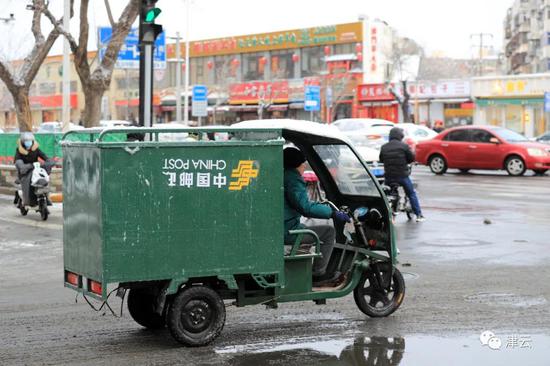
(152, 14)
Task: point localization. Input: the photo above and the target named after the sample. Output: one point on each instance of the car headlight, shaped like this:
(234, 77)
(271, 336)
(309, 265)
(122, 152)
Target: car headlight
(536, 152)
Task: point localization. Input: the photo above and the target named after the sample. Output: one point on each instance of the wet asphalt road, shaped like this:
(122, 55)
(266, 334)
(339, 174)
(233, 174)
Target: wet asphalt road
(479, 263)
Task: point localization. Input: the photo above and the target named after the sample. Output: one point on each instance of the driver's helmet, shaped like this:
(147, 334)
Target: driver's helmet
(27, 139)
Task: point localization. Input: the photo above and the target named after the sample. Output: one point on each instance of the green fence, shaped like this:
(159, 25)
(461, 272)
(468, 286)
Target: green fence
(49, 144)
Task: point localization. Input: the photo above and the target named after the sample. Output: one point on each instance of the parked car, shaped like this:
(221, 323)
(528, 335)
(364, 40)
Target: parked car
(415, 133)
(483, 147)
(544, 138)
(114, 123)
(356, 124)
(56, 127)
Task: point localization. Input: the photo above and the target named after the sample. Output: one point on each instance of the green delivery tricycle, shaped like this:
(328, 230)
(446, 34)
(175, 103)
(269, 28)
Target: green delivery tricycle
(188, 225)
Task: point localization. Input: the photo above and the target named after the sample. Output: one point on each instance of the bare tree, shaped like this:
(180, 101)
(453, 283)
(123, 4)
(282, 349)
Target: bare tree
(18, 76)
(403, 50)
(95, 82)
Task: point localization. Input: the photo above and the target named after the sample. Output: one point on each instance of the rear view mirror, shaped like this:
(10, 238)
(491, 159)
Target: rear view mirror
(494, 140)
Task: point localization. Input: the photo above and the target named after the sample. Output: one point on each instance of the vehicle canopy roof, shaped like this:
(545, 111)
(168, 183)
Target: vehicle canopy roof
(325, 133)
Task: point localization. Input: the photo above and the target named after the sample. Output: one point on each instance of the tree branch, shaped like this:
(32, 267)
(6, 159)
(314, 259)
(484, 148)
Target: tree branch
(57, 24)
(120, 31)
(39, 7)
(6, 76)
(109, 13)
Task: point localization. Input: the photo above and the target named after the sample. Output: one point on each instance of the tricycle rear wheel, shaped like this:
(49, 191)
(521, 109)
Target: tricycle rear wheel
(141, 306)
(196, 316)
(376, 299)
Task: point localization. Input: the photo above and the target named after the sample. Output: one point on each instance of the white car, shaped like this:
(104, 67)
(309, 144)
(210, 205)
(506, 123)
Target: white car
(114, 123)
(172, 137)
(417, 132)
(355, 124)
(56, 127)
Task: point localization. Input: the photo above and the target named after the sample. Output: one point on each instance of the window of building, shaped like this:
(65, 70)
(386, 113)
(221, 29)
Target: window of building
(282, 66)
(253, 66)
(312, 62)
(196, 72)
(343, 49)
(47, 88)
(225, 69)
(73, 86)
(548, 38)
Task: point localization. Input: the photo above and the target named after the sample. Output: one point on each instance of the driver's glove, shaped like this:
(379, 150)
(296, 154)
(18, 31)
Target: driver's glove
(341, 216)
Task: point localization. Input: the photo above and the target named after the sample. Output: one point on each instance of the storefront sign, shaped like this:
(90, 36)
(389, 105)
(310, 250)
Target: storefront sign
(256, 91)
(373, 48)
(307, 37)
(51, 101)
(534, 85)
(374, 92)
(440, 89)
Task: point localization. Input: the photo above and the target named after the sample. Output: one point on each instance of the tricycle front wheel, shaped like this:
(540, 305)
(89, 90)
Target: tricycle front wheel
(196, 316)
(377, 299)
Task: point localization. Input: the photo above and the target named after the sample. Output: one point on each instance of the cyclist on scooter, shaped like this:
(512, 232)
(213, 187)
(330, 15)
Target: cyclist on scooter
(26, 154)
(396, 157)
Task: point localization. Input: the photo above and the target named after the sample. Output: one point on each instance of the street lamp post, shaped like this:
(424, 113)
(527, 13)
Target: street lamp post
(178, 76)
(66, 111)
(186, 102)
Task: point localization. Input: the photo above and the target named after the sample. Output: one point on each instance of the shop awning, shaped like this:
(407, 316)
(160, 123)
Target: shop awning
(508, 101)
(450, 100)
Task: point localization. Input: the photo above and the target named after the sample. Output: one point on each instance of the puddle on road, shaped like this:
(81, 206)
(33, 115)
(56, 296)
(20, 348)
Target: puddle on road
(511, 349)
(506, 299)
(455, 242)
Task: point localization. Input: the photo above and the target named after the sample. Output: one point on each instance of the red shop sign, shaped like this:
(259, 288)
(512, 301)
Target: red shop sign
(251, 93)
(373, 92)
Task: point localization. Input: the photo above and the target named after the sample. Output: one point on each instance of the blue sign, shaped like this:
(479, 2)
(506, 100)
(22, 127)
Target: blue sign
(547, 101)
(128, 56)
(200, 93)
(312, 100)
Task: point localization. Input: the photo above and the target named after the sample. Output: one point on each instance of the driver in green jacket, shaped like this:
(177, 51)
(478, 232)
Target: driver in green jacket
(297, 204)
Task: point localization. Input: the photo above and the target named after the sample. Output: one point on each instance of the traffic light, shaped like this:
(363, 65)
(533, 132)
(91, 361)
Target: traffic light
(149, 30)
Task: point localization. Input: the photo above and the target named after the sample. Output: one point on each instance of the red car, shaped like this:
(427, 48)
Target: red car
(483, 147)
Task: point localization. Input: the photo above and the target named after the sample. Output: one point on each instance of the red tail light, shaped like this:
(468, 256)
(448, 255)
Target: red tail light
(373, 137)
(72, 278)
(95, 287)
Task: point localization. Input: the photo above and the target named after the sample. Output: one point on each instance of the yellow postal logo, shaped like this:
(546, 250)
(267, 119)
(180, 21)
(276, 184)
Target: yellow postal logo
(244, 173)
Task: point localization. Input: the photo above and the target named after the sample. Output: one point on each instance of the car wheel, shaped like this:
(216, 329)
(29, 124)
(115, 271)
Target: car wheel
(515, 166)
(437, 164)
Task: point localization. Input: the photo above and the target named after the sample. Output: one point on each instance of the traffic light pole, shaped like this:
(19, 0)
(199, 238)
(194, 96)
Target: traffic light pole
(148, 32)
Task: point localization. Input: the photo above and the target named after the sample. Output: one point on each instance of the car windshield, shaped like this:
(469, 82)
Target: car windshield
(509, 135)
(349, 174)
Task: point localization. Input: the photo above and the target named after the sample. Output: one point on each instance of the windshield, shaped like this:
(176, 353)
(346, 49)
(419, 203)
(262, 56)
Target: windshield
(349, 174)
(510, 135)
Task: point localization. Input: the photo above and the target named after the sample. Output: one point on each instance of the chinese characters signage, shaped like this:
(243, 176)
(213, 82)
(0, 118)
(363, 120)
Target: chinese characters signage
(198, 173)
(307, 37)
(256, 91)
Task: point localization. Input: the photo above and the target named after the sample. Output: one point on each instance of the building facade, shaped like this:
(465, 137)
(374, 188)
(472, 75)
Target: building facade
(527, 37)
(515, 102)
(250, 76)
